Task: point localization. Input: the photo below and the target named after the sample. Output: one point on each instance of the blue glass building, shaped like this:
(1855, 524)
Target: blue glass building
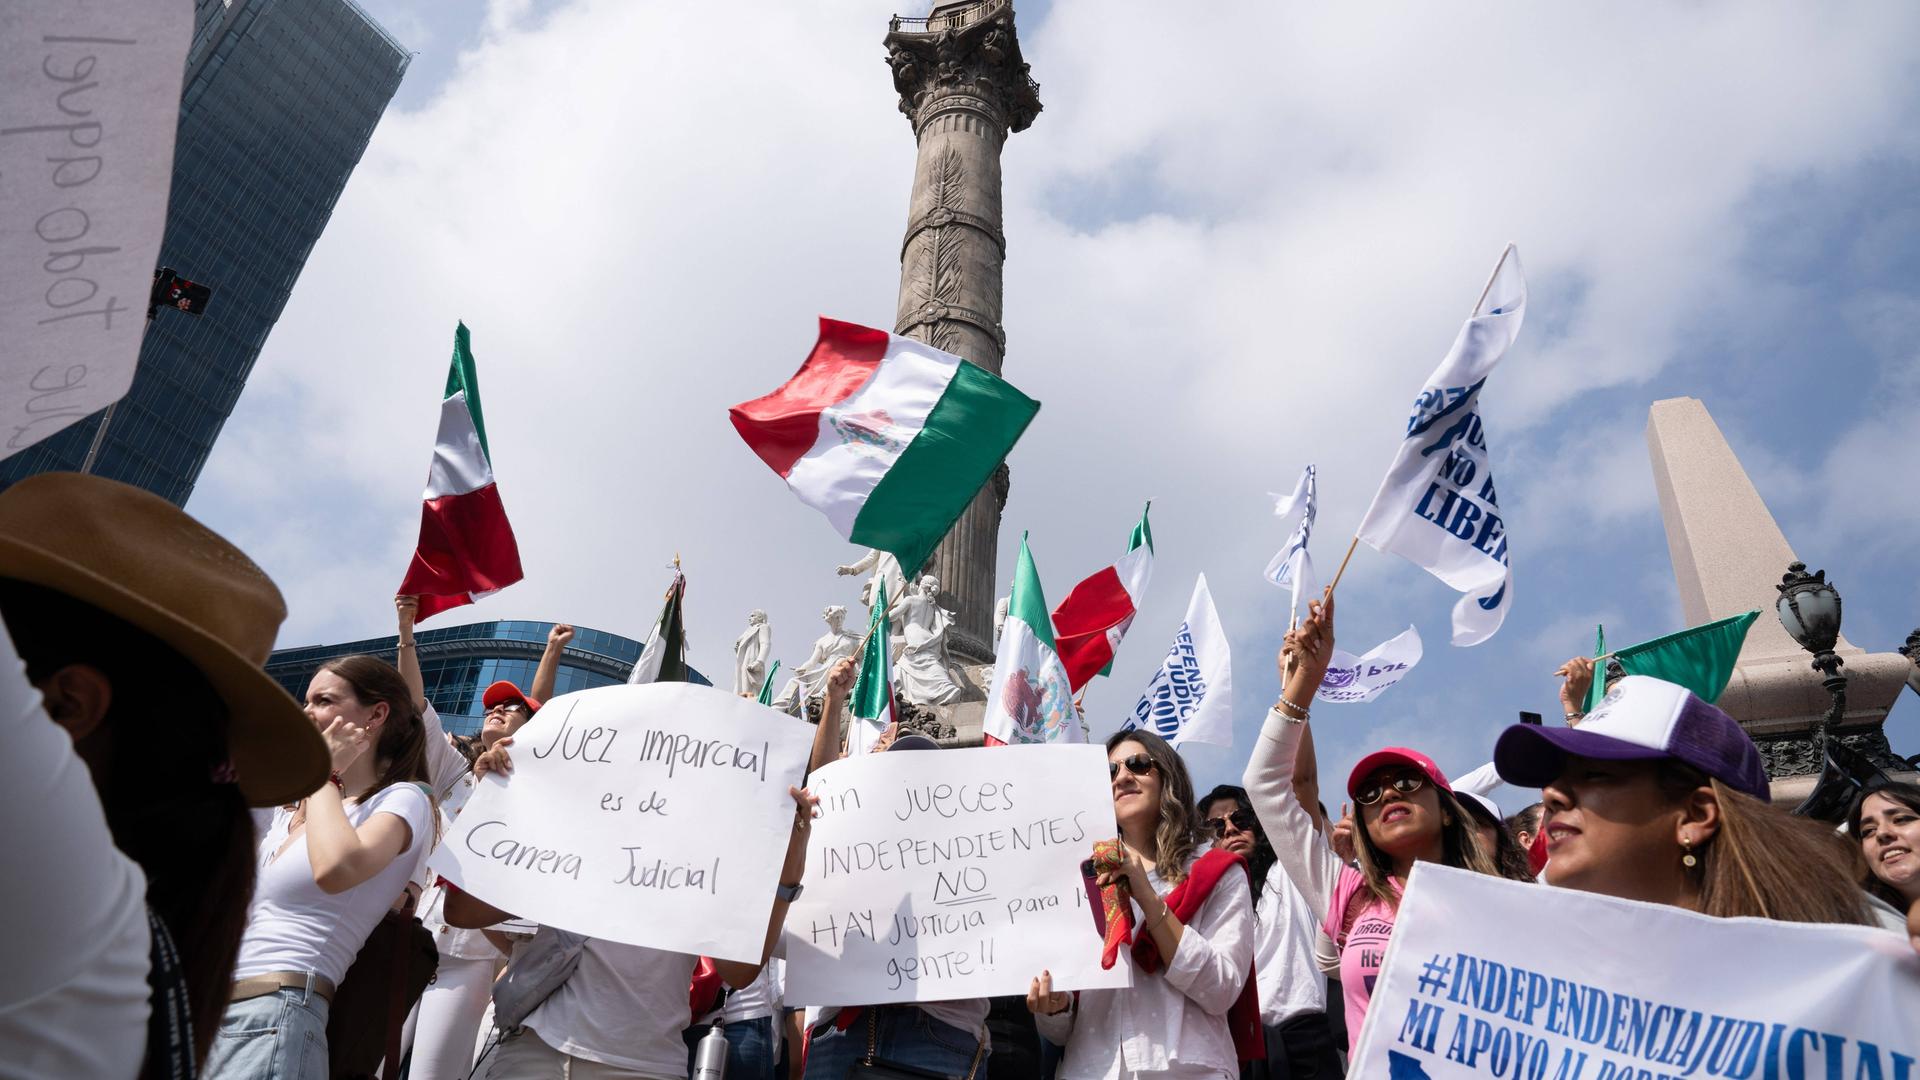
(280, 99)
(458, 663)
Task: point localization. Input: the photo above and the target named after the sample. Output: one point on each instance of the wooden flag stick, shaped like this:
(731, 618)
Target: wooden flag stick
(1343, 563)
(1490, 280)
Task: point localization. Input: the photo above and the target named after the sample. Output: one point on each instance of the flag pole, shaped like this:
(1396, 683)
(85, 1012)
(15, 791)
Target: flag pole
(1343, 563)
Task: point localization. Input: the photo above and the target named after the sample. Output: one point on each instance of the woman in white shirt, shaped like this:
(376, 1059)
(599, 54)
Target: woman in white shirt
(1174, 1021)
(329, 869)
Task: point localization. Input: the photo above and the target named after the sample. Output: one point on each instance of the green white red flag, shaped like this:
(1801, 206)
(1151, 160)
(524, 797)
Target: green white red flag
(871, 703)
(1030, 700)
(466, 549)
(1090, 622)
(889, 437)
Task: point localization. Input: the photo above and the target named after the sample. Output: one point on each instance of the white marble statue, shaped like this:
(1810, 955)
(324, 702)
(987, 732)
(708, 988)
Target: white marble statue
(750, 653)
(922, 667)
(1000, 616)
(885, 568)
(809, 680)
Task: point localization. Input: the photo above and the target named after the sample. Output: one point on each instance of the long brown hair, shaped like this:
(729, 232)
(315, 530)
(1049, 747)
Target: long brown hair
(1459, 848)
(188, 829)
(400, 755)
(1907, 795)
(1178, 833)
(1763, 861)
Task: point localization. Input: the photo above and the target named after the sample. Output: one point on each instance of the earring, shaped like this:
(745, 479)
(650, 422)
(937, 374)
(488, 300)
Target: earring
(1686, 853)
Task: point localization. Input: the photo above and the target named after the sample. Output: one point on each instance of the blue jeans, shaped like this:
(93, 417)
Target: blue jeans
(752, 1046)
(278, 1036)
(903, 1035)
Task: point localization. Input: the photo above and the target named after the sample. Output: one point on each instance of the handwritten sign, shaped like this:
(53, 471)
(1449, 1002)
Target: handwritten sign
(653, 815)
(1488, 977)
(936, 875)
(92, 93)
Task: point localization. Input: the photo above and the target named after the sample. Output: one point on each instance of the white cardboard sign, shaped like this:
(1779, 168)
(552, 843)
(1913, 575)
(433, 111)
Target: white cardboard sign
(1486, 977)
(936, 875)
(654, 815)
(89, 99)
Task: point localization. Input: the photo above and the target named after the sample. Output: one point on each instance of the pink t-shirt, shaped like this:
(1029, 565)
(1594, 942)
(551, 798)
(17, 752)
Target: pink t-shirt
(1362, 949)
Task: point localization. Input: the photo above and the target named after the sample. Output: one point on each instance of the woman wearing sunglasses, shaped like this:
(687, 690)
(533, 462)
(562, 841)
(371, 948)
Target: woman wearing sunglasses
(1406, 814)
(1192, 1002)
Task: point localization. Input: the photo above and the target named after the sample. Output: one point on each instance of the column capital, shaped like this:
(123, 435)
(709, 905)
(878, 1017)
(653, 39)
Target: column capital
(962, 57)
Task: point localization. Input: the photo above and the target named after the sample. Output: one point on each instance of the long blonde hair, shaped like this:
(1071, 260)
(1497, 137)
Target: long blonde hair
(1178, 833)
(1765, 862)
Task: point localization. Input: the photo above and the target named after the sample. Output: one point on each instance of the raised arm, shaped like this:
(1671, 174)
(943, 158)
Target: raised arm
(548, 672)
(444, 763)
(1306, 777)
(826, 736)
(407, 607)
(1270, 777)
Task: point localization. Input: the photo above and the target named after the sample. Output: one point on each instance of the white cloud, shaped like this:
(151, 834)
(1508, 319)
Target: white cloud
(1239, 237)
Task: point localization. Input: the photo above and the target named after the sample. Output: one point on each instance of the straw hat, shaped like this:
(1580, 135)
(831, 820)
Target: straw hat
(138, 557)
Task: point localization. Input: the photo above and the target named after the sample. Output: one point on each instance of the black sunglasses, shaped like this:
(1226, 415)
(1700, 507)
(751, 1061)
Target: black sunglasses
(1241, 819)
(1374, 790)
(1138, 765)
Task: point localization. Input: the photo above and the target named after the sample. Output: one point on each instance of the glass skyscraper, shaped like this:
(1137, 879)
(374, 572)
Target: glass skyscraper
(280, 99)
(458, 663)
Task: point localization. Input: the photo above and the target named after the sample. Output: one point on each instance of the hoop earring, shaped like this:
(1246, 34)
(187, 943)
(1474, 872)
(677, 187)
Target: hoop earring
(1686, 854)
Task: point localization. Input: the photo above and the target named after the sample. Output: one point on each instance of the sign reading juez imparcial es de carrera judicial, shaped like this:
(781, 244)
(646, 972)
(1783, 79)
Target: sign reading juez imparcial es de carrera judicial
(950, 874)
(653, 815)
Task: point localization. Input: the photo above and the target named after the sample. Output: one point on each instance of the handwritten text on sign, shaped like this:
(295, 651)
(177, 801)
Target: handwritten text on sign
(1488, 977)
(946, 874)
(654, 815)
(92, 97)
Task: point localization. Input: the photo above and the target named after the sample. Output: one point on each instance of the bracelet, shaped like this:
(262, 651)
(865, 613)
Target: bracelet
(1573, 716)
(334, 779)
(406, 645)
(1289, 709)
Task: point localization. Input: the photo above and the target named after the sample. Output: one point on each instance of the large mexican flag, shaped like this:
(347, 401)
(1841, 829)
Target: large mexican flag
(1030, 700)
(466, 549)
(887, 436)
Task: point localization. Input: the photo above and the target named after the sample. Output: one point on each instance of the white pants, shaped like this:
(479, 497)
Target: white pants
(447, 1017)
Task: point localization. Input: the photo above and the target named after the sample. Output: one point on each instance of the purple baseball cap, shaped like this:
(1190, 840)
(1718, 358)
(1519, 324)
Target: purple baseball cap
(1642, 719)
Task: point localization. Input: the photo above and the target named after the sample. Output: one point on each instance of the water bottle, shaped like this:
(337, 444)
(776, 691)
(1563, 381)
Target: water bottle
(710, 1057)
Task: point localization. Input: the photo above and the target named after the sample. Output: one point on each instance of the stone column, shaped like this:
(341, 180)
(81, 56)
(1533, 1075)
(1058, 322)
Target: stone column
(964, 88)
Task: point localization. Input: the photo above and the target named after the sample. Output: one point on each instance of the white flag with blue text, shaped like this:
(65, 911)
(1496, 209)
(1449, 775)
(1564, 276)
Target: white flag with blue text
(1363, 678)
(1292, 567)
(1437, 507)
(1190, 699)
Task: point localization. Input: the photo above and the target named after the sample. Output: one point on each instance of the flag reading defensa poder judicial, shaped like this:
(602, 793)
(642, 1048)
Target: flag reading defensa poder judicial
(466, 549)
(889, 437)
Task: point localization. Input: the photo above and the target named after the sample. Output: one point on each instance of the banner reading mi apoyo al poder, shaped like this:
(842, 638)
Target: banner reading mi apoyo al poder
(946, 874)
(1493, 978)
(654, 815)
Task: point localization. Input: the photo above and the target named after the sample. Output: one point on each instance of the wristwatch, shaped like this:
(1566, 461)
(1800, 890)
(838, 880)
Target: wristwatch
(789, 893)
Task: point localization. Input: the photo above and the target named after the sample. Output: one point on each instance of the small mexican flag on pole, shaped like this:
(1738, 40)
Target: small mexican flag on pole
(664, 656)
(466, 549)
(887, 436)
(871, 703)
(1095, 616)
(1030, 700)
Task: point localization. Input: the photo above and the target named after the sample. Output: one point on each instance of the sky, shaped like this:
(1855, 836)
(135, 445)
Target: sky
(1240, 236)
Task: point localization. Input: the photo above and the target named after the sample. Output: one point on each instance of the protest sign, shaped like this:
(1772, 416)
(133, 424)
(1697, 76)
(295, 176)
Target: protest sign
(950, 874)
(1493, 978)
(92, 95)
(1363, 678)
(653, 815)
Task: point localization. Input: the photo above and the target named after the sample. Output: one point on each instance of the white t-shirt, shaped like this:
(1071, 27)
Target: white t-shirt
(294, 925)
(625, 1005)
(761, 997)
(1289, 981)
(73, 984)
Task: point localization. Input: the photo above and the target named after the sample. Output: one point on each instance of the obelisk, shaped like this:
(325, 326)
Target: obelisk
(1728, 556)
(964, 88)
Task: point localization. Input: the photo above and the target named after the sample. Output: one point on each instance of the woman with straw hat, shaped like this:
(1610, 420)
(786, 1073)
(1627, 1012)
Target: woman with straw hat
(141, 634)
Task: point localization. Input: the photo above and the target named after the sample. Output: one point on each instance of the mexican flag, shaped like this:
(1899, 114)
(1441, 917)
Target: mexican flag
(1700, 659)
(871, 702)
(1030, 700)
(887, 436)
(1093, 618)
(466, 548)
(664, 657)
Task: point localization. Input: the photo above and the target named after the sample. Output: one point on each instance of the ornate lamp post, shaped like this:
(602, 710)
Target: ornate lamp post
(1810, 610)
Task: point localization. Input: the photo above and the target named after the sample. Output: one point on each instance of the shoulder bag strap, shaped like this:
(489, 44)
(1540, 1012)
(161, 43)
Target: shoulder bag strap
(396, 1005)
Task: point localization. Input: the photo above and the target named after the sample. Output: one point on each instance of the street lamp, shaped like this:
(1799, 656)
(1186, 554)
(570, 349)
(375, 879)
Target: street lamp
(1810, 610)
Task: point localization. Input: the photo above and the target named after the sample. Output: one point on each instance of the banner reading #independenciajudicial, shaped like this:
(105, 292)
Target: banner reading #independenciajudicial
(1493, 978)
(653, 815)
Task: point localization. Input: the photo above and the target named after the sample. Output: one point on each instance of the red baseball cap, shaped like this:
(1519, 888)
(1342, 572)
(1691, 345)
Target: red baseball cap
(1395, 755)
(504, 691)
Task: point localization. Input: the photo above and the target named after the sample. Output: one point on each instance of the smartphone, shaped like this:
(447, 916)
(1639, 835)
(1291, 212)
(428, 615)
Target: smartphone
(1530, 718)
(1094, 903)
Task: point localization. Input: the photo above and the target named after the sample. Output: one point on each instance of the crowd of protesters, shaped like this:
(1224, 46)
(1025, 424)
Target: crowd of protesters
(201, 865)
